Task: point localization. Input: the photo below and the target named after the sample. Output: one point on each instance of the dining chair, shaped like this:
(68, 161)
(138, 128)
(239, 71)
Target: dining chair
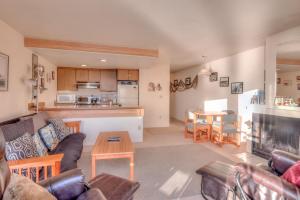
(227, 129)
(196, 126)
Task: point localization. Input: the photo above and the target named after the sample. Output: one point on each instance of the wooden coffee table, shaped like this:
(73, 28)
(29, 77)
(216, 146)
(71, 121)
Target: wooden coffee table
(103, 149)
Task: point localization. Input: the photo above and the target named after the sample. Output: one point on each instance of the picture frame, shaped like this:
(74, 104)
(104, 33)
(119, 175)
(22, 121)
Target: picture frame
(213, 77)
(237, 88)
(4, 72)
(287, 83)
(278, 80)
(188, 81)
(224, 81)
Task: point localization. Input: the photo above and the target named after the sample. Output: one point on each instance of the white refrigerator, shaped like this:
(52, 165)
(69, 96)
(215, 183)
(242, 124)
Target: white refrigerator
(128, 94)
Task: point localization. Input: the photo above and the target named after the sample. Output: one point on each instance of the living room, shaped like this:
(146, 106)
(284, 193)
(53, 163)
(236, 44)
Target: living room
(133, 99)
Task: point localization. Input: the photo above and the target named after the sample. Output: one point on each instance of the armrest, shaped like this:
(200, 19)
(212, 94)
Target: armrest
(35, 161)
(93, 193)
(280, 161)
(261, 184)
(74, 126)
(67, 185)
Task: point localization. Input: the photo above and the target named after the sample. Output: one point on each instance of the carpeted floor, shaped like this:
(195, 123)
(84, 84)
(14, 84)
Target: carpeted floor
(166, 172)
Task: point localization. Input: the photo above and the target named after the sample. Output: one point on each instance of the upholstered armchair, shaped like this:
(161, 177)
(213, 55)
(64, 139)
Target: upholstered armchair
(250, 182)
(266, 183)
(196, 126)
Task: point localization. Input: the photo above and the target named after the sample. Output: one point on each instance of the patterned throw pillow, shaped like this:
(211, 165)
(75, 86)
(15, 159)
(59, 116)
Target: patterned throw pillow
(21, 148)
(40, 146)
(49, 137)
(60, 128)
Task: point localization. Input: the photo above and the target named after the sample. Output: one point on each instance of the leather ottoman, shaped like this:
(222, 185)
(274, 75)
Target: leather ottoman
(217, 180)
(113, 187)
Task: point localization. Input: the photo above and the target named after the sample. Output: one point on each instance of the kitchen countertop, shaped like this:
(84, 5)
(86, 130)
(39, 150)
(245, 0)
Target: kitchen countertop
(86, 107)
(88, 111)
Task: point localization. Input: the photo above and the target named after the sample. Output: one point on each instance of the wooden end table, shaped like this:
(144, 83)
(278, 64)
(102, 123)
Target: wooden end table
(103, 149)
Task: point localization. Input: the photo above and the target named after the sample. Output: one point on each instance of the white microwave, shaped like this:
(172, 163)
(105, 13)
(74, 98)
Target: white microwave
(66, 98)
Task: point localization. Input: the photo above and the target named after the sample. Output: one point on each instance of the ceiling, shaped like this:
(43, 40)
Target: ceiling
(185, 29)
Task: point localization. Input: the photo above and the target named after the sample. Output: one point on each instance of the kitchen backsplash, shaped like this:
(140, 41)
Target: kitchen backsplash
(109, 95)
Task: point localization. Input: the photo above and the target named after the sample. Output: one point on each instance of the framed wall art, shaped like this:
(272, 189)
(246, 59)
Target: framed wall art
(4, 70)
(237, 88)
(224, 81)
(213, 77)
(188, 81)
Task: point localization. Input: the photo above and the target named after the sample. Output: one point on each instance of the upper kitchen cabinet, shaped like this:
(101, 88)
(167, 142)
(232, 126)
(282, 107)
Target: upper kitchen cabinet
(82, 75)
(66, 79)
(133, 75)
(108, 80)
(128, 75)
(94, 75)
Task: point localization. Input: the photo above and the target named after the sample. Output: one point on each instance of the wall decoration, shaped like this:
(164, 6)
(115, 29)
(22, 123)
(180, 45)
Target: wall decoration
(298, 78)
(151, 87)
(158, 87)
(287, 82)
(224, 81)
(175, 83)
(213, 77)
(237, 88)
(53, 75)
(35, 63)
(278, 80)
(181, 86)
(4, 69)
(188, 81)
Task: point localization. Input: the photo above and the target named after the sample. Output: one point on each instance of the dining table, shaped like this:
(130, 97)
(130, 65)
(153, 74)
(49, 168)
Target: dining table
(210, 116)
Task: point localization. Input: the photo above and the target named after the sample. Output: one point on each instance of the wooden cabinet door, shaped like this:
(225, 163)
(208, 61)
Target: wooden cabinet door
(108, 80)
(133, 75)
(94, 75)
(122, 74)
(60, 79)
(82, 75)
(70, 79)
(66, 79)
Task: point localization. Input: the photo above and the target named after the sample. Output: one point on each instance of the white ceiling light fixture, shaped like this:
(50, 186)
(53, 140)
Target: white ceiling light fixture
(83, 65)
(103, 60)
(204, 71)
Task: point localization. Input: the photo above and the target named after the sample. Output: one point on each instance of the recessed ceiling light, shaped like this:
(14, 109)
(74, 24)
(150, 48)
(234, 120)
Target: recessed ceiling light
(103, 60)
(83, 65)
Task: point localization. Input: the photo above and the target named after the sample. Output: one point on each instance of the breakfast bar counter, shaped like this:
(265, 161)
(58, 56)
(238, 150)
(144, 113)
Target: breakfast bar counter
(65, 111)
(99, 118)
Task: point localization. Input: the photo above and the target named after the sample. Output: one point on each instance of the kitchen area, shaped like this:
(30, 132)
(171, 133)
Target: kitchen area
(102, 99)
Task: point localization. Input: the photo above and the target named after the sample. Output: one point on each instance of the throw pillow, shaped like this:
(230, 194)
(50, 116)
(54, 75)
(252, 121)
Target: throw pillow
(22, 188)
(21, 148)
(49, 137)
(292, 175)
(60, 128)
(40, 146)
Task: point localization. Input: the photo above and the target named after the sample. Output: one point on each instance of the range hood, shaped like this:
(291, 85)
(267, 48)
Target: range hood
(88, 85)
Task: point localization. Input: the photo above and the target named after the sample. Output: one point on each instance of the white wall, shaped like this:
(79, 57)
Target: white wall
(14, 102)
(247, 67)
(156, 104)
(291, 90)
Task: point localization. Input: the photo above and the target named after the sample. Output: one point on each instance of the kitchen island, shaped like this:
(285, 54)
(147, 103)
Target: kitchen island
(99, 118)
